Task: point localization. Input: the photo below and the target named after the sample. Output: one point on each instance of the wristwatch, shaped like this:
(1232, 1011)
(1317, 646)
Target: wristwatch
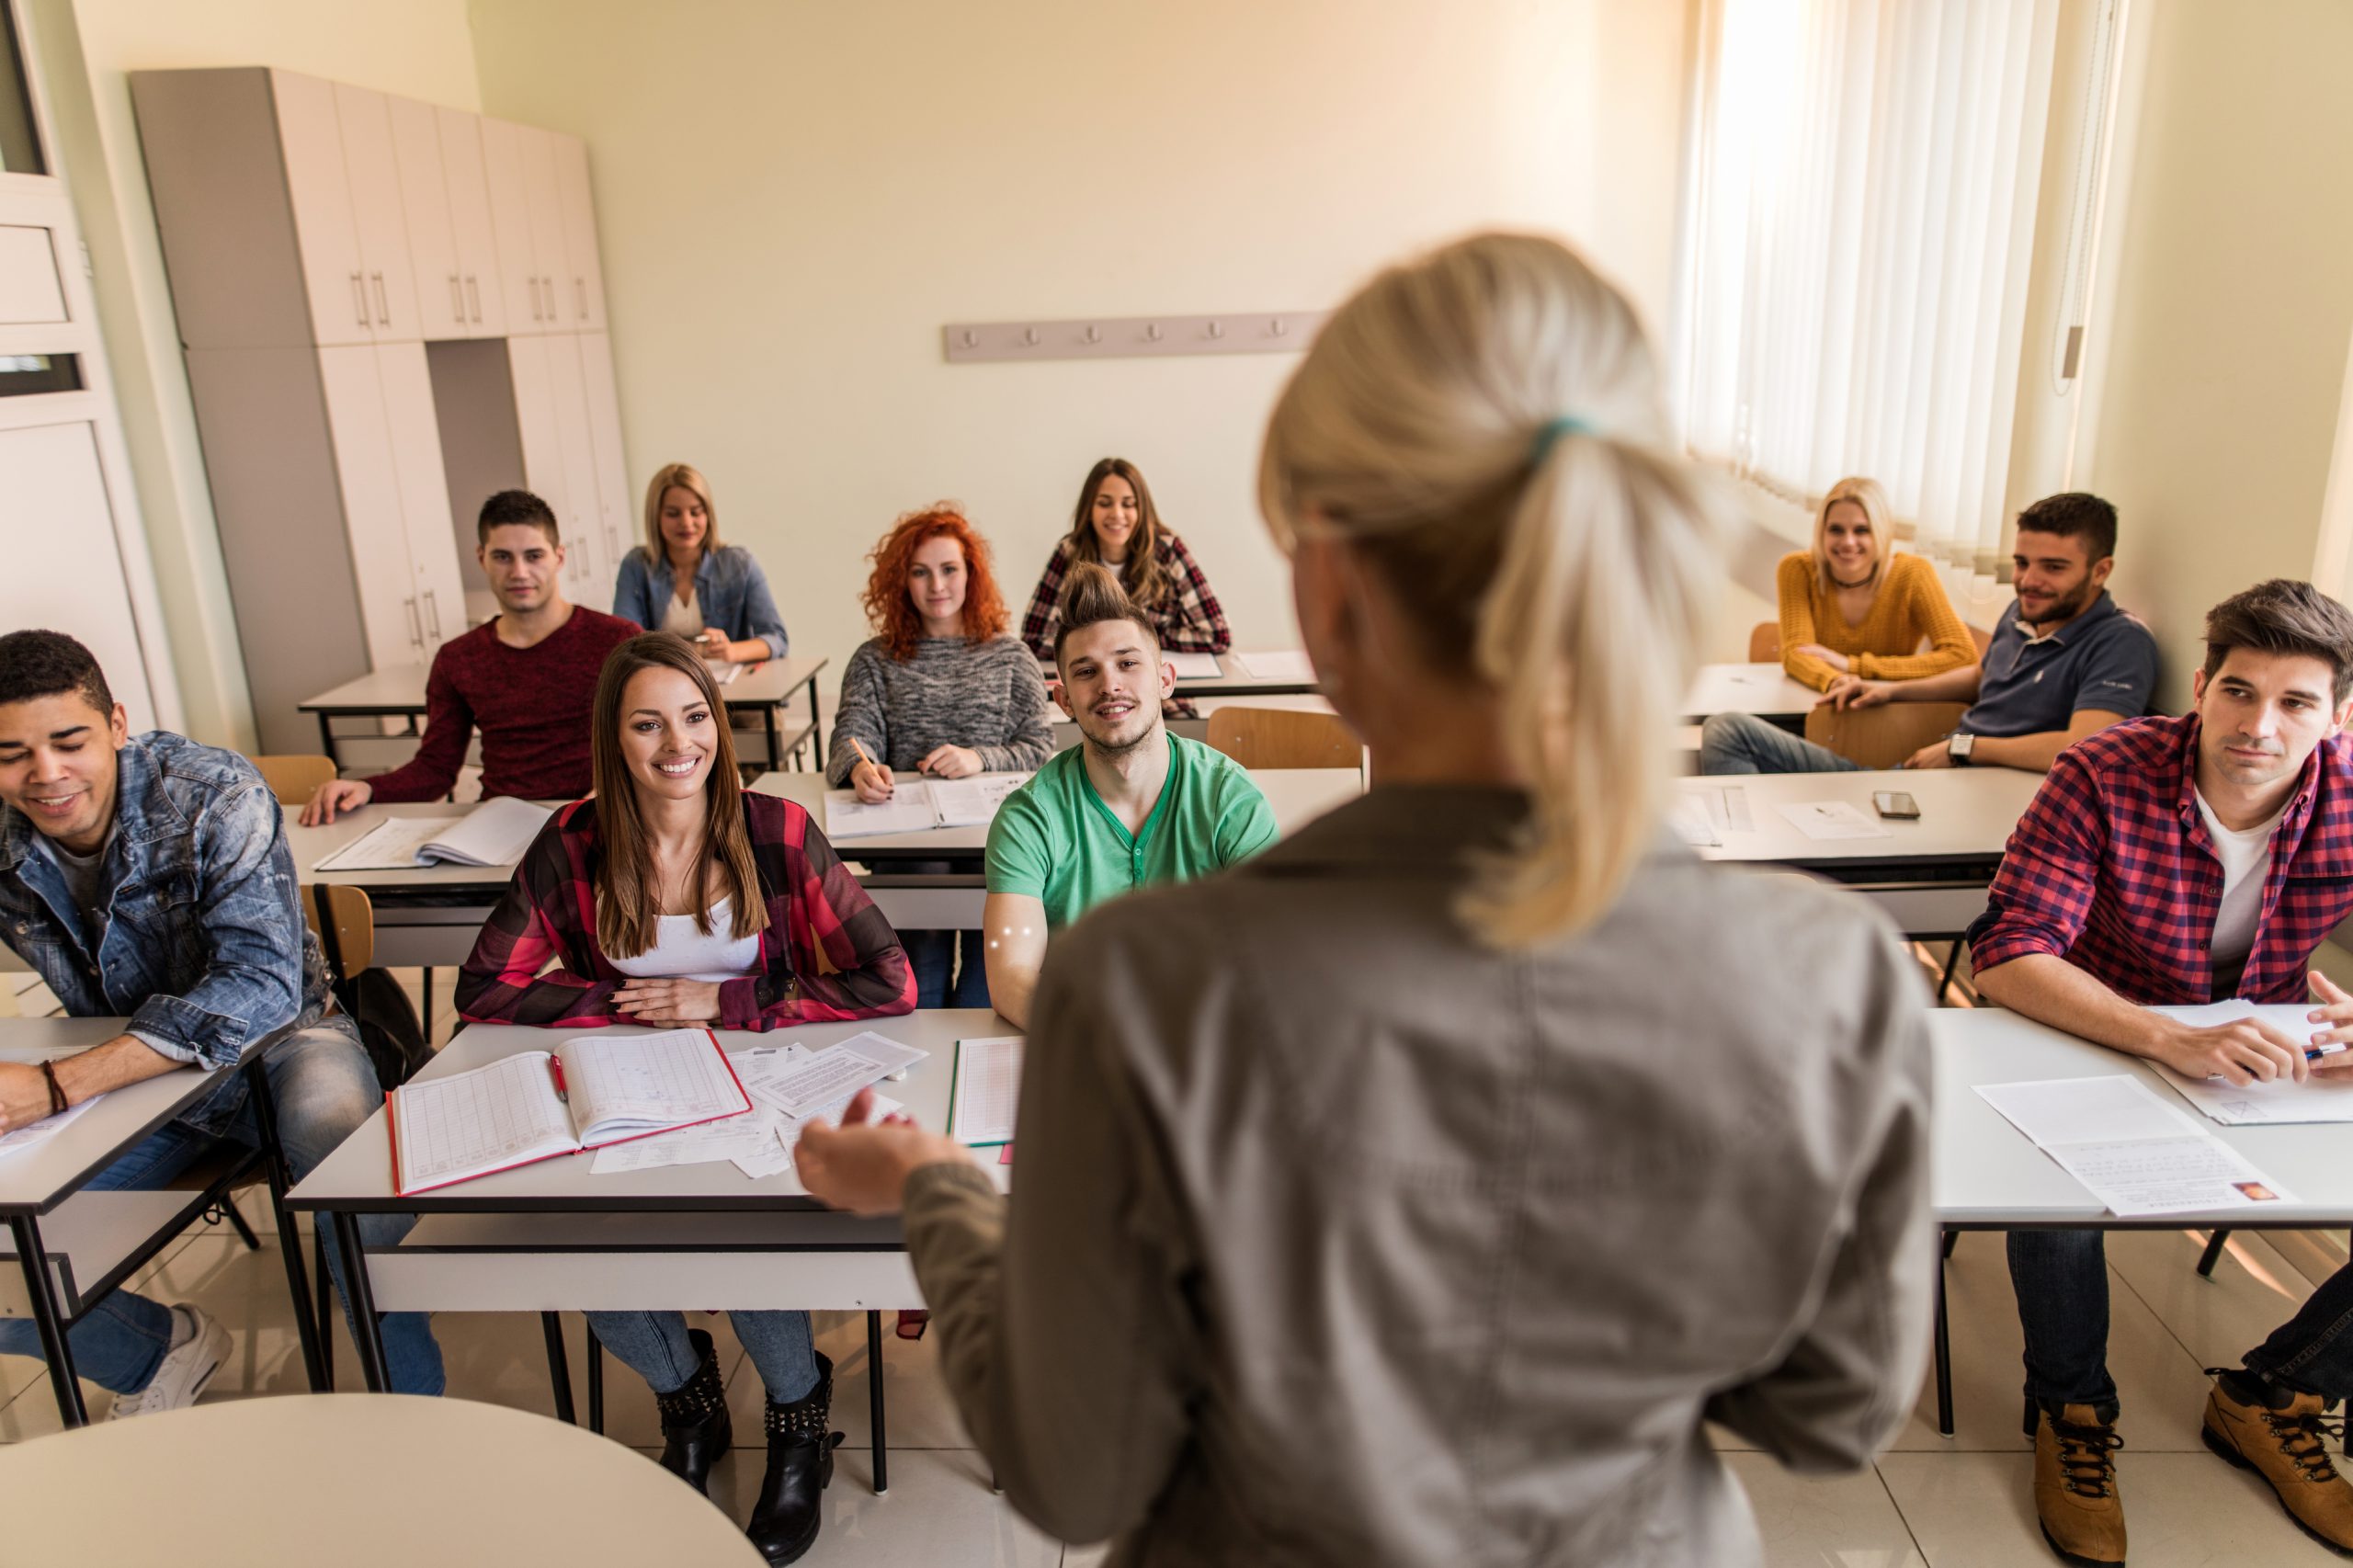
(1958, 747)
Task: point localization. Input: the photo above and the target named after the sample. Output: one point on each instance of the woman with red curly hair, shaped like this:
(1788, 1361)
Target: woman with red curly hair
(940, 689)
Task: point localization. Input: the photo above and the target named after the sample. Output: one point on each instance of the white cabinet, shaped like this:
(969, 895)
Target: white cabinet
(320, 198)
(64, 569)
(618, 504)
(365, 121)
(506, 169)
(432, 234)
(368, 478)
(425, 495)
(581, 286)
(546, 205)
(560, 464)
(472, 227)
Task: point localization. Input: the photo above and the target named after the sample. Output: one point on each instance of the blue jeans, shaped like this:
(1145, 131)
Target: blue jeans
(1742, 742)
(2060, 1278)
(933, 955)
(323, 1086)
(654, 1346)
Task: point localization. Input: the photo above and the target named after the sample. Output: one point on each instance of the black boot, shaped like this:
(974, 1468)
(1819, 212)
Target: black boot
(695, 1430)
(800, 1462)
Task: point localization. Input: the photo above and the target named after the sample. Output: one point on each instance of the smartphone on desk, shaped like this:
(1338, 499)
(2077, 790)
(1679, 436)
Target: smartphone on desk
(1895, 803)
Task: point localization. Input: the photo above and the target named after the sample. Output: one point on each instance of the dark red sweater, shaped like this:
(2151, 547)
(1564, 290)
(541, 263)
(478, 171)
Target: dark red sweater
(532, 705)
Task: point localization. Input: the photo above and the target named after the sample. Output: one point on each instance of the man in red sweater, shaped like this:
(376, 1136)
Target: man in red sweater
(526, 678)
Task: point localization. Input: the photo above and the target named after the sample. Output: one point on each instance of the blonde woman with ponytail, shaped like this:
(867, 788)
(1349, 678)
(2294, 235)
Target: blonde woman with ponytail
(1413, 1192)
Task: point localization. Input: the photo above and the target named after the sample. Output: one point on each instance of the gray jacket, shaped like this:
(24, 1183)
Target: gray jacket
(1339, 1238)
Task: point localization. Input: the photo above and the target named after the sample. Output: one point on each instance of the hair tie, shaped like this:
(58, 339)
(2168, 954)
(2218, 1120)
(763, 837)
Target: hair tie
(1553, 431)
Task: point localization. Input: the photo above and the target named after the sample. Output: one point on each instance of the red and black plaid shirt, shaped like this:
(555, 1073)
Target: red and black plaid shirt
(2112, 869)
(1187, 618)
(828, 953)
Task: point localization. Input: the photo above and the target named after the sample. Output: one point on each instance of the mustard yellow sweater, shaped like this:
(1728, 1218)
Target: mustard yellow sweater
(1910, 604)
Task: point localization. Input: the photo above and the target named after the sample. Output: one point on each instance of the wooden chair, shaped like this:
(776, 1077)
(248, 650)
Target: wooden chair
(294, 778)
(1765, 643)
(1283, 737)
(1885, 735)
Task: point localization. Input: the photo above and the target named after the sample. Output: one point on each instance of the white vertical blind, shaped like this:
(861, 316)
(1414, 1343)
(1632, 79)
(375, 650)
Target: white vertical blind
(1857, 230)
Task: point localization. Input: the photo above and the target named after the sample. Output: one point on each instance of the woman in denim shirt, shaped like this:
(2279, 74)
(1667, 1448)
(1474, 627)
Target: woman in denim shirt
(683, 580)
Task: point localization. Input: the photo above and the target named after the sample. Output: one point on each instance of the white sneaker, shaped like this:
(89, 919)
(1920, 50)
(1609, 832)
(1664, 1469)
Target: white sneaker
(199, 1347)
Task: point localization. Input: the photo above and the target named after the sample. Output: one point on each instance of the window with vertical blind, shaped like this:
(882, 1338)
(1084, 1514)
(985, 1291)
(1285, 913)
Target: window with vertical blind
(1859, 222)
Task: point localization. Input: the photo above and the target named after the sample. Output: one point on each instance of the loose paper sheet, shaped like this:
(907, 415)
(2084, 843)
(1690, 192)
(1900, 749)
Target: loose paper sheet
(909, 810)
(988, 1090)
(1193, 666)
(1290, 665)
(1833, 819)
(2137, 1154)
(972, 802)
(33, 1134)
(2326, 1096)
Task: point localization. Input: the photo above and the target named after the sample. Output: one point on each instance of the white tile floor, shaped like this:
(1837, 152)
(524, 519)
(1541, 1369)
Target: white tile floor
(1945, 1503)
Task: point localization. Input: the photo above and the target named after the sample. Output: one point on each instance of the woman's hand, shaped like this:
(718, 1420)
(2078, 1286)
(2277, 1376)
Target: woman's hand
(1838, 662)
(872, 781)
(863, 1166)
(951, 762)
(668, 1003)
(1854, 691)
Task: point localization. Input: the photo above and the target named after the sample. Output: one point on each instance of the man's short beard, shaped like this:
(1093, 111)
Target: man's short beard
(1110, 749)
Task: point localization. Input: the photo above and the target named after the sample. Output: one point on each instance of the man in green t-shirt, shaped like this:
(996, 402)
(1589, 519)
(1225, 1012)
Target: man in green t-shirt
(1130, 805)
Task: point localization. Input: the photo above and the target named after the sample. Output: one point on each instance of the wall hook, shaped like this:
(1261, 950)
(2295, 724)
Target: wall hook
(1276, 327)
(972, 338)
(1029, 336)
(1093, 336)
(1217, 329)
(1152, 332)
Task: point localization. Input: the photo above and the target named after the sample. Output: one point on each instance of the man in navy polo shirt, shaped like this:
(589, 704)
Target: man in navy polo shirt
(2064, 662)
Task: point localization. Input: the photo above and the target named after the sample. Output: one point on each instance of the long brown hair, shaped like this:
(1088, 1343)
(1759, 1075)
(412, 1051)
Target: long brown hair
(1141, 574)
(628, 903)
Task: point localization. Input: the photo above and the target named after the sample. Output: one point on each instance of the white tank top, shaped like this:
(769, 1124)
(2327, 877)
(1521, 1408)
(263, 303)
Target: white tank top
(680, 952)
(686, 620)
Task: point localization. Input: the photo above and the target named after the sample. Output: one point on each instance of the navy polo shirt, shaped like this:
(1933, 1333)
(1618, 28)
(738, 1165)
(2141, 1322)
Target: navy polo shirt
(2103, 659)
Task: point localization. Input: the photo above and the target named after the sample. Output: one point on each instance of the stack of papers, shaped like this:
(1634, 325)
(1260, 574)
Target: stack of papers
(1833, 819)
(920, 805)
(2137, 1155)
(1290, 665)
(494, 834)
(2324, 1096)
(1193, 666)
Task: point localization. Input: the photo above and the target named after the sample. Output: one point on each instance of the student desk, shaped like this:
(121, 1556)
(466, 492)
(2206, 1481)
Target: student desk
(1930, 875)
(933, 900)
(397, 691)
(1990, 1176)
(1765, 691)
(1231, 680)
(389, 1483)
(425, 915)
(551, 1236)
(73, 1247)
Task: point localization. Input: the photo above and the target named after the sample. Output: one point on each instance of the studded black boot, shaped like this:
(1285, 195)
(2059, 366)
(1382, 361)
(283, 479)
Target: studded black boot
(695, 1430)
(800, 1464)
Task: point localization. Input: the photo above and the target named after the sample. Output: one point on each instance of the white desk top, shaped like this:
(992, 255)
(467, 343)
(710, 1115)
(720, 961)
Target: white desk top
(1988, 1171)
(1765, 690)
(360, 1175)
(391, 1482)
(33, 1181)
(1298, 796)
(312, 845)
(400, 688)
(1965, 813)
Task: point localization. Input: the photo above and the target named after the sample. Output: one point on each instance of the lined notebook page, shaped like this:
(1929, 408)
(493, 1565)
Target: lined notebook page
(664, 1079)
(471, 1122)
(988, 1090)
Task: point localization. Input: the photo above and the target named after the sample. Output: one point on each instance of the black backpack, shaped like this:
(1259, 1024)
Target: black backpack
(378, 1007)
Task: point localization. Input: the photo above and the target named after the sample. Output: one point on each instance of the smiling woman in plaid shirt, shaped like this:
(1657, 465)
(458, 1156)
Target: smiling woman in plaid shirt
(2172, 861)
(676, 897)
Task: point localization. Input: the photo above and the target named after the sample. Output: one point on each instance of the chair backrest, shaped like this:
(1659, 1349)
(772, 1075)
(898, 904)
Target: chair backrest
(1885, 735)
(1283, 737)
(294, 777)
(345, 922)
(1765, 643)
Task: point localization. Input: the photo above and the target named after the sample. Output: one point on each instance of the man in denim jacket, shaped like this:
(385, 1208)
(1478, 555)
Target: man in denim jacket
(148, 877)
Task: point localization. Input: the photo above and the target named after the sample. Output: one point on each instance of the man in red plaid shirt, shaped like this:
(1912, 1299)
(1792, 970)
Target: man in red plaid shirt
(2172, 861)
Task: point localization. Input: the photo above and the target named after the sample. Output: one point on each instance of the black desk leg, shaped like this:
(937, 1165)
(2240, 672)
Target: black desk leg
(874, 1401)
(817, 724)
(366, 1329)
(311, 1329)
(559, 1367)
(767, 723)
(596, 1382)
(2212, 1254)
(326, 740)
(47, 1320)
(1944, 1360)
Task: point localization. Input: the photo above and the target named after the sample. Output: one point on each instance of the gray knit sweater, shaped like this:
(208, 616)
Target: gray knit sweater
(987, 695)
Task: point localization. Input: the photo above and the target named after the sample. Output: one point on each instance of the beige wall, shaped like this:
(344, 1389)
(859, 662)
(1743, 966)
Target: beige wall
(83, 50)
(793, 200)
(2234, 308)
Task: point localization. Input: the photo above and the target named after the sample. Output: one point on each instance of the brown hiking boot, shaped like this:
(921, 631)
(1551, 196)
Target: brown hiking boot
(2074, 1486)
(2285, 1444)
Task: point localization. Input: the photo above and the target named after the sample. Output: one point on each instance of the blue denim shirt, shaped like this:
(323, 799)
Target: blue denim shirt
(729, 586)
(203, 946)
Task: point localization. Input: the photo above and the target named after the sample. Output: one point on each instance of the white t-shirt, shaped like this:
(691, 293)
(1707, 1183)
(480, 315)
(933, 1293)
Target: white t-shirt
(681, 952)
(684, 618)
(2246, 860)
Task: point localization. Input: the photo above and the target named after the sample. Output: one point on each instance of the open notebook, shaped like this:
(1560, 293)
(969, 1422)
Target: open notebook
(918, 805)
(494, 834)
(514, 1110)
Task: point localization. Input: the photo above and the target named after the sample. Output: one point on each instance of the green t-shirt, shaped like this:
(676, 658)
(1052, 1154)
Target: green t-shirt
(1055, 840)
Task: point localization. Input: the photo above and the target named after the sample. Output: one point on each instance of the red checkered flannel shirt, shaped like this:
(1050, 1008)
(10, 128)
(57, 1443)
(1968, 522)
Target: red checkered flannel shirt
(1188, 619)
(2112, 869)
(827, 952)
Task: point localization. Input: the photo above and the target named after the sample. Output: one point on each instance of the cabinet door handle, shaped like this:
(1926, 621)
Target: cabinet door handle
(415, 627)
(383, 310)
(457, 298)
(359, 299)
(433, 615)
(473, 292)
(537, 314)
(580, 286)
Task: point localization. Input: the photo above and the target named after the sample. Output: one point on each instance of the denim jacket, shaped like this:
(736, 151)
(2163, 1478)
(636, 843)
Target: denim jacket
(729, 586)
(203, 948)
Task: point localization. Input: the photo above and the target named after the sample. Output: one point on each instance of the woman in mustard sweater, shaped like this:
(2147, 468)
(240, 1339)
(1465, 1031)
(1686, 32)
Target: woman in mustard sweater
(1852, 605)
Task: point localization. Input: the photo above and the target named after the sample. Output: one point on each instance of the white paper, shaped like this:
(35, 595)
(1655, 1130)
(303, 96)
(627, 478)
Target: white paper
(2136, 1154)
(495, 833)
(396, 844)
(895, 1057)
(988, 1090)
(1285, 666)
(621, 1084)
(2324, 1096)
(1193, 666)
(777, 1160)
(972, 802)
(723, 1139)
(1833, 819)
(825, 1077)
(724, 674)
(909, 810)
(33, 1134)
(1689, 819)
